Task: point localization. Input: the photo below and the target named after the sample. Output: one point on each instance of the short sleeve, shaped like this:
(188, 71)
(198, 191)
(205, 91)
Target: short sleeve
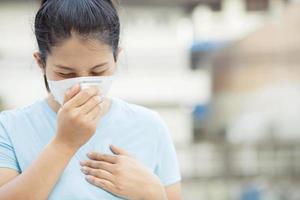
(7, 154)
(167, 167)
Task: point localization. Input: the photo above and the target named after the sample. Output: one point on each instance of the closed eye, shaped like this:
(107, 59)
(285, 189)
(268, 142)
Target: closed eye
(97, 73)
(67, 75)
(100, 72)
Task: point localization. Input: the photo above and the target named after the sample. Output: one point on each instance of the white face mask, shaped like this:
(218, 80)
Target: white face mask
(59, 88)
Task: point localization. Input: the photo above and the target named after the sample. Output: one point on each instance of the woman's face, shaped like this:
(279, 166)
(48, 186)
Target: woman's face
(76, 57)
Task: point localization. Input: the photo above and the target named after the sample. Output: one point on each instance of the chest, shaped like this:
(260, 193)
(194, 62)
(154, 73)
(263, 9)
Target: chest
(72, 184)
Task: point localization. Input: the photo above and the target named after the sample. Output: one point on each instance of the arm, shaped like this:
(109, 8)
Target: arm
(174, 191)
(7, 175)
(79, 114)
(37, 175)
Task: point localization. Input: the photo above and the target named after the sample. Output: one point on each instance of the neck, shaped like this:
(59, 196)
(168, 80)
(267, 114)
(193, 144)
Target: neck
(55, 106)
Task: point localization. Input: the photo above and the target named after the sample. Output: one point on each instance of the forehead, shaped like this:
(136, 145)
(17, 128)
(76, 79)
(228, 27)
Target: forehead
(76, 51)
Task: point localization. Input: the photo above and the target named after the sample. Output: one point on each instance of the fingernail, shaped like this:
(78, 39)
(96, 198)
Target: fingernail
(99, 99)
(102, 98)
(82, 163)
(89, 154)
(83, 169)
(89, 177)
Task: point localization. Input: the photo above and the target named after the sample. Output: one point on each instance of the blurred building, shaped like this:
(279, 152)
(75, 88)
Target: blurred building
(221, 22)
(258, 79)
(249, 138)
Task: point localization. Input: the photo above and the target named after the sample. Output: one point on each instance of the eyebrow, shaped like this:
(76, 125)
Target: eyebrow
(69, 68)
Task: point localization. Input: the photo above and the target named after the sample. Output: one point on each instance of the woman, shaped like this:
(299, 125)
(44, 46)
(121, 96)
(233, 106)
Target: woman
(43, 146)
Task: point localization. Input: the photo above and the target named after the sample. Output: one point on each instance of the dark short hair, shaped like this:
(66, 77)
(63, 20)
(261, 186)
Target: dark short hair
(56, 20)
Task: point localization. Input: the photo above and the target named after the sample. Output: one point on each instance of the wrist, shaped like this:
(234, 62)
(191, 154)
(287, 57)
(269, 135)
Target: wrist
(63, 148)
(156, 191)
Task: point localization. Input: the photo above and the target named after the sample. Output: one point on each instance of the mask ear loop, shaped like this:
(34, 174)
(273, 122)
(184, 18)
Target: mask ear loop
(45, 77)
(46, 84)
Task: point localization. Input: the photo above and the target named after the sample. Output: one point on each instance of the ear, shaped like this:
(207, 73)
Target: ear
(39, 61)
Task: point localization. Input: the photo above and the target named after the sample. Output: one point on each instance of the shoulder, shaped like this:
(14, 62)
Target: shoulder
(148, 120)
(138, 112)
(11, 117)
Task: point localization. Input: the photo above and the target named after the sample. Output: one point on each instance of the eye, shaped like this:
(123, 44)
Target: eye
(97, 73)
(66, 75)
(100, 71)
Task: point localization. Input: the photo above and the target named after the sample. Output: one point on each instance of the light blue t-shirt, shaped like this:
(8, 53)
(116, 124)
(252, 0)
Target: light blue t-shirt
(24, 132)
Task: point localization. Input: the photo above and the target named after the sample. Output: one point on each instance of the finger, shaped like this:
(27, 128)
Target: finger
(102, 157)
(99, 165)
(102, 174)
(102, 183)
(83, 96)
(71, 93)
(90, 104)
(93, 114)
(118, 150)
(98, 116)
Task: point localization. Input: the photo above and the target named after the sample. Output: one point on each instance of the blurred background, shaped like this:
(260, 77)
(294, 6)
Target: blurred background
(224, 74)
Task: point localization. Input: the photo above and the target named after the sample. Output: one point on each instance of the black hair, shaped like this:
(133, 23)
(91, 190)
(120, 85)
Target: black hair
(56, 20)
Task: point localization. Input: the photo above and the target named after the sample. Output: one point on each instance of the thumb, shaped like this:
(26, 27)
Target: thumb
(118, 150)
(71, 93)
